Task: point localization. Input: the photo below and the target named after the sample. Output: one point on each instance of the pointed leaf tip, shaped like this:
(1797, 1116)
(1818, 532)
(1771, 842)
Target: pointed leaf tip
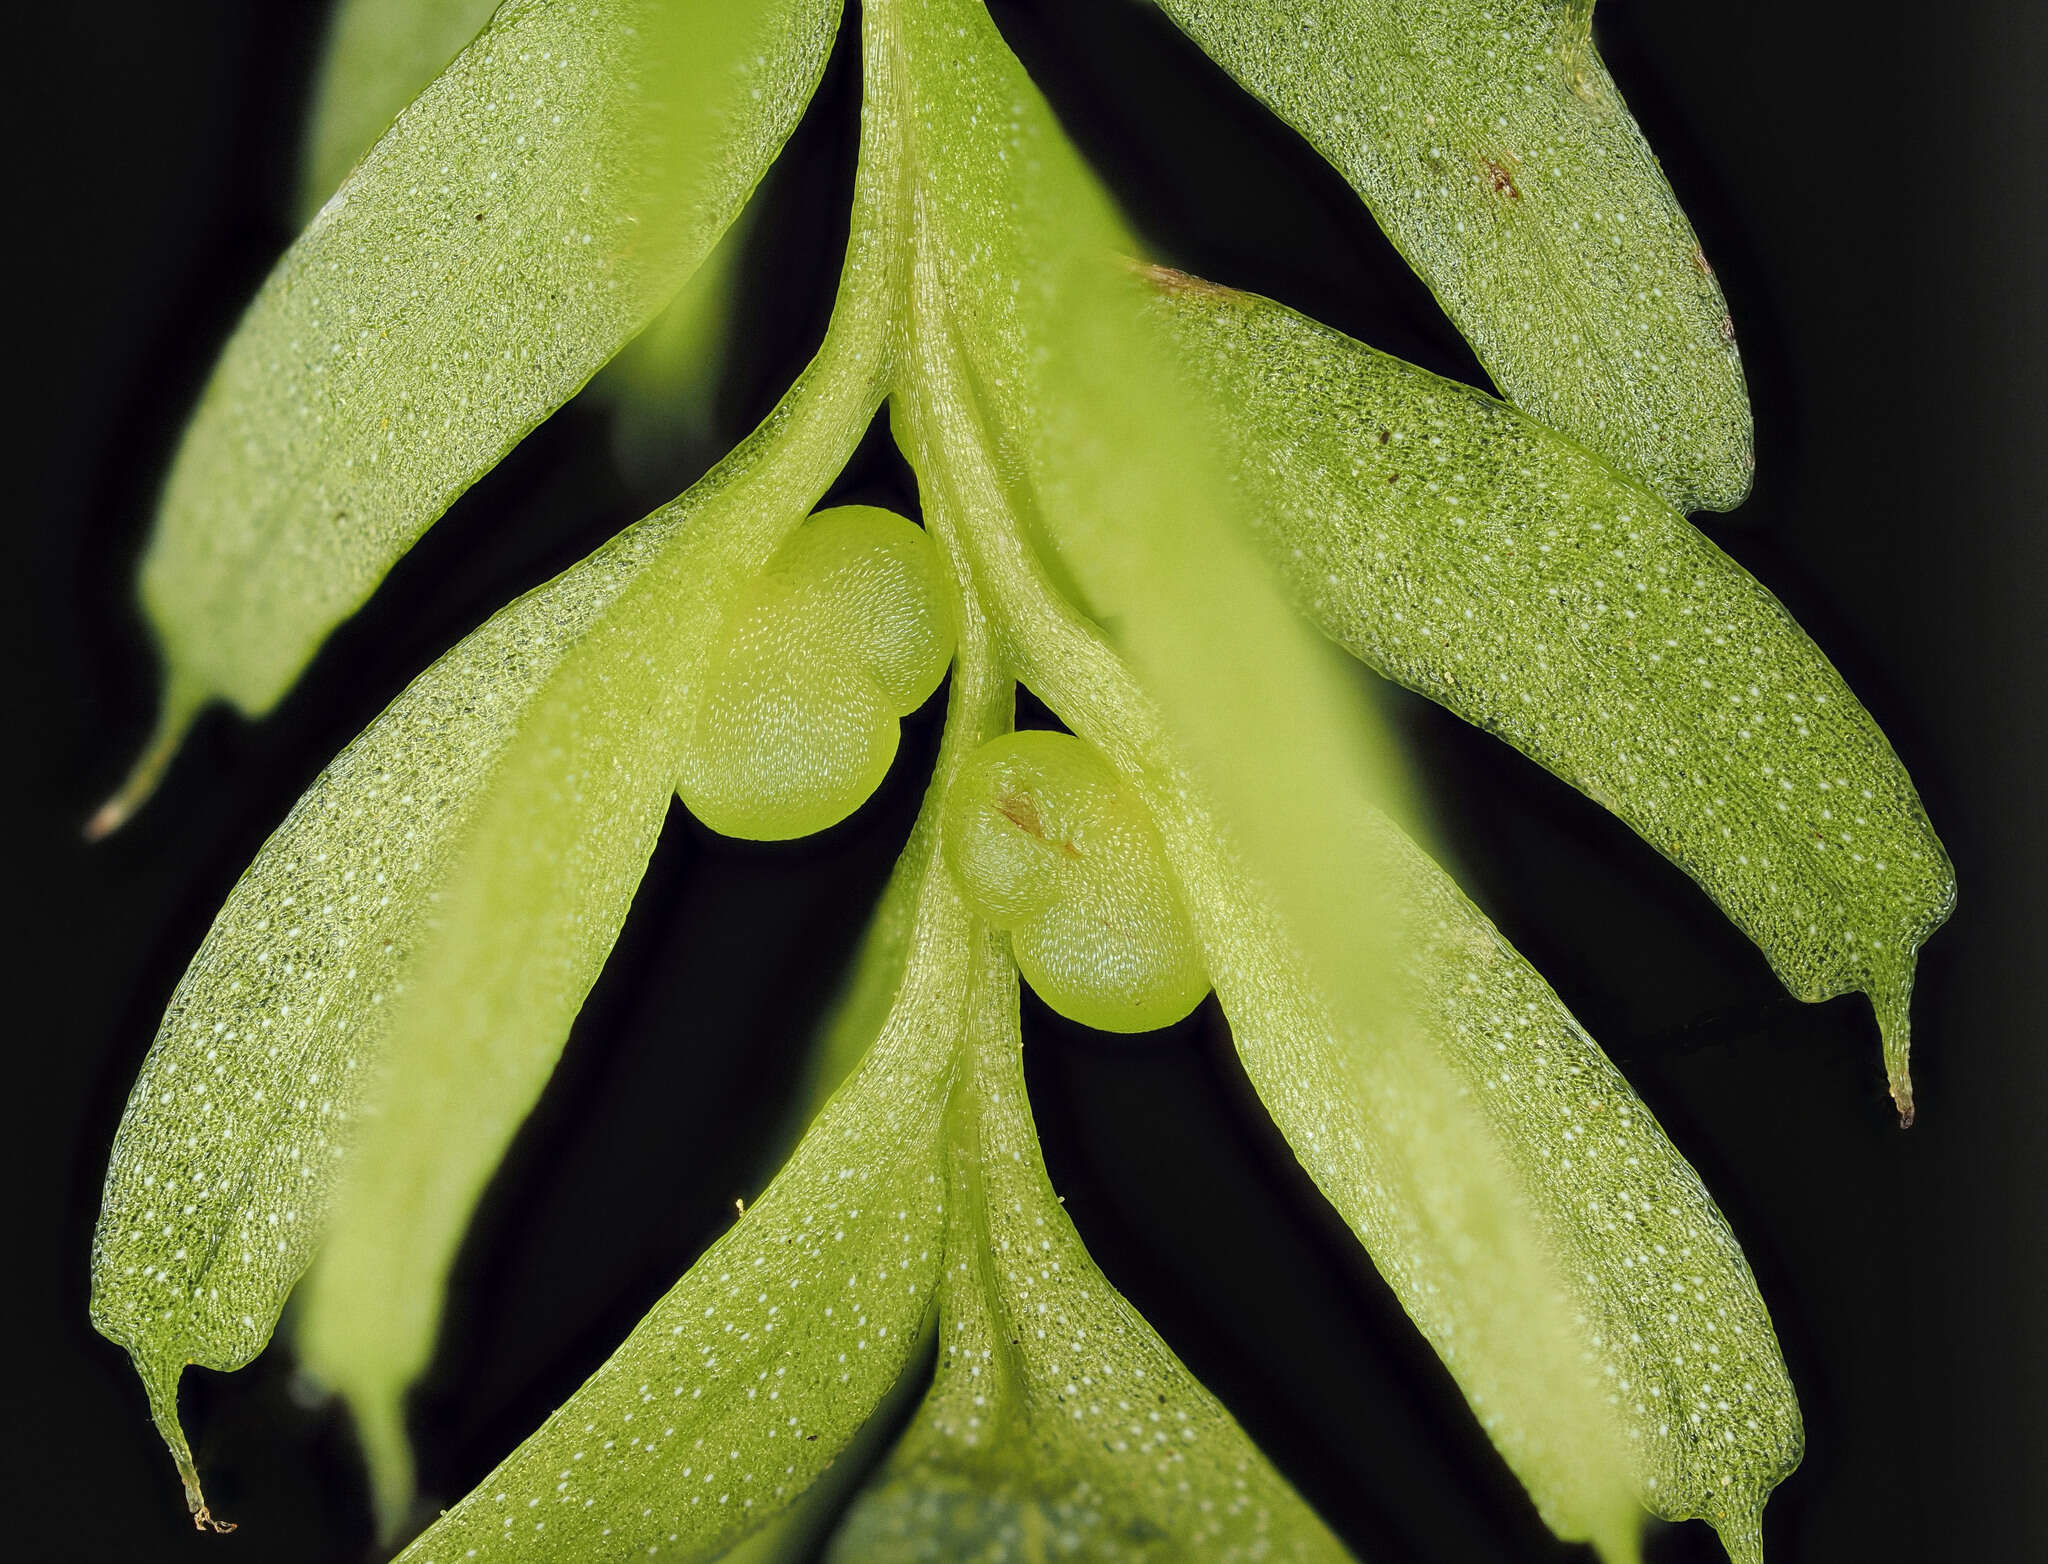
(1891, 997)
(179, 709)
(1323, 434)
(387, 1455)
(1742, 1536)
(1625, 346)
(160, 1382)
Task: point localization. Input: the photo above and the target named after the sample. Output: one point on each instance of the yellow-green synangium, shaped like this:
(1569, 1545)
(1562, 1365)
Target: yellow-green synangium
(1143, 496)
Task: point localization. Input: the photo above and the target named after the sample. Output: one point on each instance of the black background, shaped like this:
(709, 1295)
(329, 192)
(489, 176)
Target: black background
(1868, 179)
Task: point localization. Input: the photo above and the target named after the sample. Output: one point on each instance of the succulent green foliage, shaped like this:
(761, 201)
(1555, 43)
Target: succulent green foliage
(749, 1378)
(1123, 487)
(379, 55)
(1497, 154)
(1473, 1135)
(388, 988)
(522, 931)
(780, 1342)
(435, 907)
(1670, 1312)
(1470, 1132)
(1466, 551)
(845, 633)
(1050, 846)
(1058, 1425)
(528, 214)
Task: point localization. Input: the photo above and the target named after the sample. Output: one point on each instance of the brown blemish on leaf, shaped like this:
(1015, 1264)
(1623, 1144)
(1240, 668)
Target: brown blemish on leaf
(1502, 182)
(1168, 277)
(1700, 262)
(1021, 810)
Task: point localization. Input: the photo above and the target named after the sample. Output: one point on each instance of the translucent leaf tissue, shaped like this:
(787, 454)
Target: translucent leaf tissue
(1165, 508)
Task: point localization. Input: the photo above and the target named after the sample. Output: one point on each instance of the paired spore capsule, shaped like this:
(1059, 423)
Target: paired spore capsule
(1049, 844)
(847, 631)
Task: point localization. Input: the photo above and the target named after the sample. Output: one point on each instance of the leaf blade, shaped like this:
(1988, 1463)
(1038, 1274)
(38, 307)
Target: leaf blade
(374, 883)
(1496, 153)
(378, 56)
(513, 228)
(815, 1258)
(883, 1125)
(1594, 1164)
(662, 388)
(1140, 1463)
(1268, 832)
(1463, 550)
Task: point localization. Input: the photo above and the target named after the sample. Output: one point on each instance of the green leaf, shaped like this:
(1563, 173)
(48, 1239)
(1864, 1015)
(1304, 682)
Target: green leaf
(853, 1024)
(1439, 1131)
(1680, 1334)
(379, 55)
(420, 933)
(529, 213)
(799, 1534)
(1058, 1424)
(1478, 1140)
(521, 934)
(1402, 1161)
(1496, 153)
(1366, 1041)
(749, 1378)
(798, 1323)
(1465, 551)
